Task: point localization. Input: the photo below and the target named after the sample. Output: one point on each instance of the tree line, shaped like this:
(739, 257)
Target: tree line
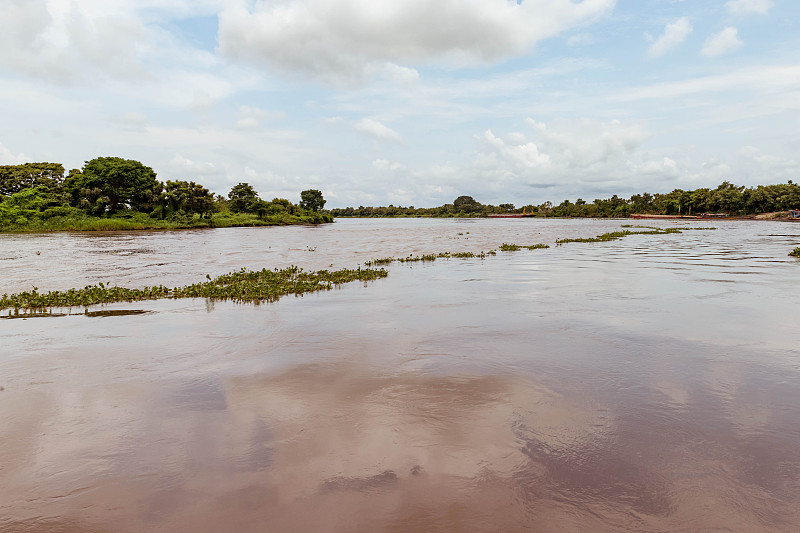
(109, 187)
(726, 198)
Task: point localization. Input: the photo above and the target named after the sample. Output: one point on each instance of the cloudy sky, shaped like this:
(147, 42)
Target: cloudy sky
(409, 102)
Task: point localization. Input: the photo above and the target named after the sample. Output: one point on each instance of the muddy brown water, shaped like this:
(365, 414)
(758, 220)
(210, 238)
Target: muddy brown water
(647, 384)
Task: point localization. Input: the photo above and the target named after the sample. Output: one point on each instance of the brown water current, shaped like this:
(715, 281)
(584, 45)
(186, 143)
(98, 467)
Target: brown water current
(648, 384)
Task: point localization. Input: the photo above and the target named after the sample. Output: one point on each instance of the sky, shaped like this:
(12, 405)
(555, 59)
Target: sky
(409, 102)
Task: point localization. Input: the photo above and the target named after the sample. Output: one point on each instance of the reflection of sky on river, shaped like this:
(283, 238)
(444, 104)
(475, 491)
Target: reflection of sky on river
(619, 386)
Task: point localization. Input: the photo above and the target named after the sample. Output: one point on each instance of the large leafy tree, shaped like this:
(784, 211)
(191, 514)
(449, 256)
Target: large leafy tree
(242, 198)
(15, 178)
(466, 204)
(107, 185)
(312, 200)
(187, 196)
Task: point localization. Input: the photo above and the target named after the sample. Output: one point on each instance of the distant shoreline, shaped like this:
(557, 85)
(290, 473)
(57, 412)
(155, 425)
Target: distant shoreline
(777, 216)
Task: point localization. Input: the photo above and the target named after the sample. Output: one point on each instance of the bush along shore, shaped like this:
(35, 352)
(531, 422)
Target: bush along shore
(115, 194)
(727, 199)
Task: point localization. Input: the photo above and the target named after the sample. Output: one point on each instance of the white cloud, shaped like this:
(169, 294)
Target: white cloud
(399, 74)
(250, 118)
(126, 47)
(384, 165)
(563, 153)
(338, 41)
(747, 7)
(131, 121)
(766, 80)
(722, 42)
(7, 157)
(186, 169)
(751, 156)
(524, 155)
(400, 196)
(67, 41)
(585, 143)
(375, 129)
(666, 167)
(674, 34)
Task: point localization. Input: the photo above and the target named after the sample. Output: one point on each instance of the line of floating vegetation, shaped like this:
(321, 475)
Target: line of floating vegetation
(614, 235)
(795, 252)
(669, 230)
(505, 247)
(510, 247)
(429, 257)
(269, 285)
(242, 286)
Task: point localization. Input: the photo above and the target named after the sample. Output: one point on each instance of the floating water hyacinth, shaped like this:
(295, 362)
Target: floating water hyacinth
(241, 286)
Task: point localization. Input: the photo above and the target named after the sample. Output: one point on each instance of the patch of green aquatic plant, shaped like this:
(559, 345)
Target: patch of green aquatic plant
(614, 235)
(434, 257)
(668, 230)
(241, 286)
(416, 258)
(795, 252)
(510, 247)
(423, 258)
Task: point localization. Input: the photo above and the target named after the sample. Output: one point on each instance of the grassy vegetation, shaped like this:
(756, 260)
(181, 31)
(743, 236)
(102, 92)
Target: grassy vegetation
(795, 252)
(242, 286)
(80, 221)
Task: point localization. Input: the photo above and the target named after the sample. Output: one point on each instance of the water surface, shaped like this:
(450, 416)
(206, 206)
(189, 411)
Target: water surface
(646, 384)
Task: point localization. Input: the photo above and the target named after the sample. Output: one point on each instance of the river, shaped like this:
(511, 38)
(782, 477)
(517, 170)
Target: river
(646, 384)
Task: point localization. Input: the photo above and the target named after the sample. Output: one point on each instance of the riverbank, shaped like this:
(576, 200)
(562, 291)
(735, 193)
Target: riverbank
(141, 221)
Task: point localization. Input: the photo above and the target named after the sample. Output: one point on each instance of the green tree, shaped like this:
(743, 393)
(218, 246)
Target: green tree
(312, 200)
(242, 197)
(107, 185)
(466, 204)
(32, 204)
(727, 198)
(15, 178)
(188, 197)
